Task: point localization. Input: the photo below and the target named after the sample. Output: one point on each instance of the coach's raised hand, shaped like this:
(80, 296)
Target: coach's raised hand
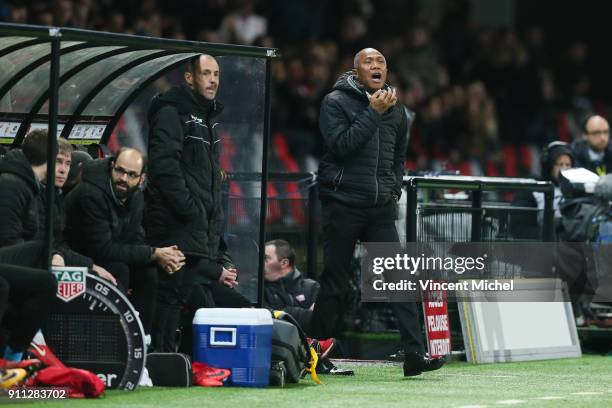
(383, 99)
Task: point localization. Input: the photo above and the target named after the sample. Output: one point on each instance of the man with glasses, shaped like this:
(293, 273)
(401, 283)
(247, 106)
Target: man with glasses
(593, 151)
(104, 217)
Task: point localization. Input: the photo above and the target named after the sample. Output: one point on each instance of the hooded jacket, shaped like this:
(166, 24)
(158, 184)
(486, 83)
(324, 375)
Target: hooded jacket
(528, 224)
(19, 190)
(102, 227)
(183, 200)
(363, 163)
(71, 258)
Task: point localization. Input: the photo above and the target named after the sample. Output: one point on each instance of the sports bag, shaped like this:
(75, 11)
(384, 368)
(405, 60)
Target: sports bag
(170, 369)
(290, 346)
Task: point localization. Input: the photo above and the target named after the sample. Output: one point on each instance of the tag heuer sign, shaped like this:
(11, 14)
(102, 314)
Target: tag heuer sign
(70, 281)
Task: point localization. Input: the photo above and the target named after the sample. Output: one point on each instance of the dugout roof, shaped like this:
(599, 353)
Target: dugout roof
(99, 75)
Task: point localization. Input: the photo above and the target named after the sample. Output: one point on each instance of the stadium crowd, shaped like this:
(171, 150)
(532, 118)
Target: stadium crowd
(486, 98)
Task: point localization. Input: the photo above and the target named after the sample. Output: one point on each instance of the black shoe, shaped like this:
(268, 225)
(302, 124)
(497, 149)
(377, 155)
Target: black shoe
(398, 356)
(325, 366)
(416, 363)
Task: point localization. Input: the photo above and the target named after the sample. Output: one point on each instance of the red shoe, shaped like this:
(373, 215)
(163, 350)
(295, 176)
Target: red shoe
(208, 376)
(322, 347)
(43, 353)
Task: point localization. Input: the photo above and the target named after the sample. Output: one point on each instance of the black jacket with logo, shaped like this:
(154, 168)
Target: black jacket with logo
(102, 227)
(294, 294)
(183, 200)
(19, 205)
(363, 163)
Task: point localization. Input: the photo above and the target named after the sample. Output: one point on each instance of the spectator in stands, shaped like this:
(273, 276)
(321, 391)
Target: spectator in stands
(360, 178)
(243, 26)
(593, 151)
(63, 13)
(63, 164)
(184, 196)
(286, 288)
(18, 12)
(103, 221)
(525, 224)
(21, 172)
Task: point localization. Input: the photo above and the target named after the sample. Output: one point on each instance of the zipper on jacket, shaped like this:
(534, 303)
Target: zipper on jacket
(376, 168)
(338, 178)
(211, 156)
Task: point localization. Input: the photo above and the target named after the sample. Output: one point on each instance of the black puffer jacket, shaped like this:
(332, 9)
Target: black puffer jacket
(294, 294)
(71, 258)
(19, 190)
(183, 200)
(100, 226)
(364, 160)
(581, 153)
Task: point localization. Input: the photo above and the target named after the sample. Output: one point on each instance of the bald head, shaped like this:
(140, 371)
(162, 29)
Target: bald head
(597, 132)
(127, 172)
(134, 157)
(363, 52)
(202, 75)
(370, 68)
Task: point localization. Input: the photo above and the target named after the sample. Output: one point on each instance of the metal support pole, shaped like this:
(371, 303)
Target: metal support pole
(264, 186)
(477, 215)
(311, 233)
(548, 232)
(52, 140)
(411, 212)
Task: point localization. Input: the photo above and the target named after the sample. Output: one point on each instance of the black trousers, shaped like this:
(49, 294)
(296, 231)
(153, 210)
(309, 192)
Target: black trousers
(31, 293)
(174, 292)
(179, 296)
(343, 226)
(141, 283)
(213, 294)
(4, 296)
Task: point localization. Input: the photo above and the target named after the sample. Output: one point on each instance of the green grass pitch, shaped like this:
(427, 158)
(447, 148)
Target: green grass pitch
(583, 382)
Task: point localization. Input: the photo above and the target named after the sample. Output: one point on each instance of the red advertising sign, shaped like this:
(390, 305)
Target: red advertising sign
(437, 325)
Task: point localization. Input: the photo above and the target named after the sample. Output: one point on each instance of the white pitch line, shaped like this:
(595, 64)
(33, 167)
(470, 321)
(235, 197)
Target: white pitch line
(511, 402)
(549, 398)
(478, 375)
(587, 393)
(473, 406)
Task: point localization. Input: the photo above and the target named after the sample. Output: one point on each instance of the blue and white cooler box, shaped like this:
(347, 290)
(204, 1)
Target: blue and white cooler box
(237, 339)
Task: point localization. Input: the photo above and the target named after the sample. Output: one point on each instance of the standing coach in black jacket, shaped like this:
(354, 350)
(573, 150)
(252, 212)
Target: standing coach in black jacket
(360, 176)
(104, 222)
(183, 197)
